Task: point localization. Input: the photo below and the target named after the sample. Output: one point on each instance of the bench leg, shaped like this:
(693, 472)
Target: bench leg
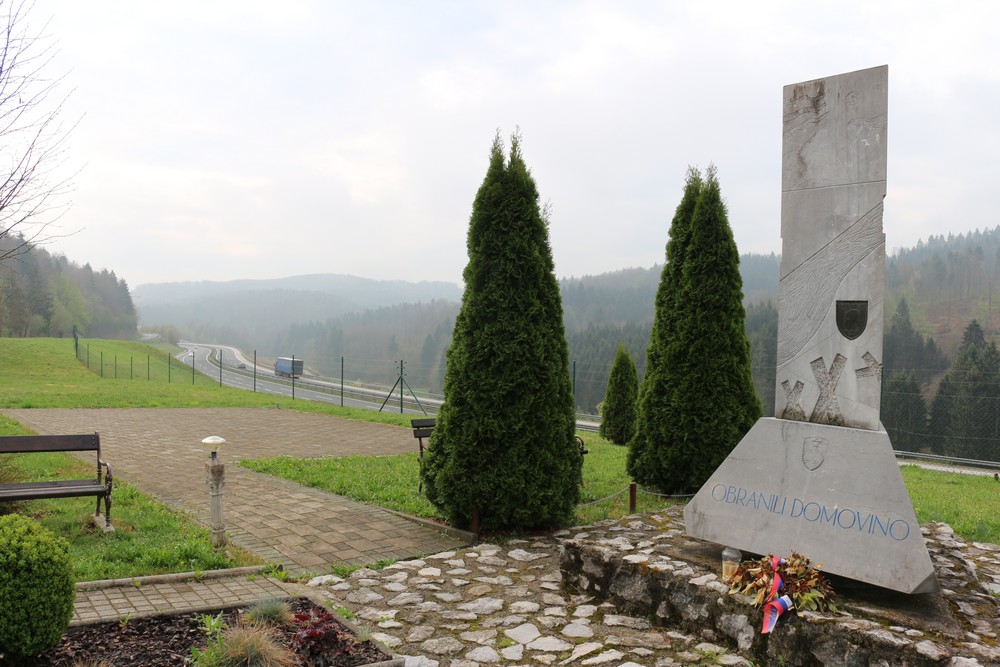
(420, 486)
(107, 527)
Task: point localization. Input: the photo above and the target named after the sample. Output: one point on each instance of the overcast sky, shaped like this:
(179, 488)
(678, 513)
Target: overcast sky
(223, 140)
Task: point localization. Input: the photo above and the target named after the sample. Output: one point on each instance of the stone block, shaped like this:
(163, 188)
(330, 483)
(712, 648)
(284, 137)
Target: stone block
(831, 493)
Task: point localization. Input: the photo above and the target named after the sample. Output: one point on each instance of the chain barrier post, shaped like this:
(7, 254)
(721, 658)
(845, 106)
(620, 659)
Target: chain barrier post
(631, 498)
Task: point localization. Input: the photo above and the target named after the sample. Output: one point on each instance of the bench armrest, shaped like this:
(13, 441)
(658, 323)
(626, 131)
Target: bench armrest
(107, 476)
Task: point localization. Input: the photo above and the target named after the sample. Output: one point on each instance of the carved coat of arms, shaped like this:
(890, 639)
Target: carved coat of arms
(813, 453)
(852, 318)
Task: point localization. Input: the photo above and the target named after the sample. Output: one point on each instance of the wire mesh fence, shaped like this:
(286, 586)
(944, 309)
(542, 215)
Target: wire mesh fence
(954, 421)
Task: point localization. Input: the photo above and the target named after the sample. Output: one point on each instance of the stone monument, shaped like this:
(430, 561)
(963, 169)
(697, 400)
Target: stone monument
(820, 478)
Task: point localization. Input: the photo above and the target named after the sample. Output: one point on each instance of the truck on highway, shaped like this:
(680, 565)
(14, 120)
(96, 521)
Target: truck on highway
(288, 367)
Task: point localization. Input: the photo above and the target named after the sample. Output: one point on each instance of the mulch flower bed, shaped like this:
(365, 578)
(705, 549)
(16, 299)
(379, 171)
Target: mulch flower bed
(167, 640)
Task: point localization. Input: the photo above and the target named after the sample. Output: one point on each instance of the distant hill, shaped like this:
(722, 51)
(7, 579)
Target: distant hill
(268, 305)
(947, 281)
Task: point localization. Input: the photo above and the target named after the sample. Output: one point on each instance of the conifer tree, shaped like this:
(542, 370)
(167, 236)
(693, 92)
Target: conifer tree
(618, 413)
(710, 402)
(654, 412)
(903, 412)
(503, 448)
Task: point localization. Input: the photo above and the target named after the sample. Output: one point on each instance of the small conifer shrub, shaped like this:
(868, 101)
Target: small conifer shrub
(620, 400)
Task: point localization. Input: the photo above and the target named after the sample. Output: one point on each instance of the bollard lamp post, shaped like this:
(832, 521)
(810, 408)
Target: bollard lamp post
(215, 477)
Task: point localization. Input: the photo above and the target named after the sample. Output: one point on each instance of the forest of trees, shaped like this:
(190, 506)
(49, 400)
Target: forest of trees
(47, 295)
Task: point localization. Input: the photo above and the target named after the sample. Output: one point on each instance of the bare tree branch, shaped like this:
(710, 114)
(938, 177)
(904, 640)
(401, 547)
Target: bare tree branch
(32, 135)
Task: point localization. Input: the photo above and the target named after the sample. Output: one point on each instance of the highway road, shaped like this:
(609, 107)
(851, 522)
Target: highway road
(264, 381)
(312, 388)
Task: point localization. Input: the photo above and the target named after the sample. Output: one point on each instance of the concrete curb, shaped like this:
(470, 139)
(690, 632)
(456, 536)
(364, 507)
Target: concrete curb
(469, 538)
(169, 578)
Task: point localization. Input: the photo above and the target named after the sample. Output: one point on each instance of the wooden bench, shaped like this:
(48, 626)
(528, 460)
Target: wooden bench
(424, 426)
(70, 488)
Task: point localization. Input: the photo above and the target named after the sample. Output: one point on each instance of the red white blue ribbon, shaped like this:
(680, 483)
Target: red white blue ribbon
(776, 582)
(773, 610)
(775, 606)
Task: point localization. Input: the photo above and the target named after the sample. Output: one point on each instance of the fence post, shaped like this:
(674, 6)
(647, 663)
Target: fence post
(102, 363)
(631, 498)
(255, 370)
(341, 381)
(168, 368)
(220, 366)
(116, 366)
(293, 377)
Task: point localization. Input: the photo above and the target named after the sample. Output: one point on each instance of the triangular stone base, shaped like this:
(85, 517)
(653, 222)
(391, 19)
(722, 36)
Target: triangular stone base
(831, 493)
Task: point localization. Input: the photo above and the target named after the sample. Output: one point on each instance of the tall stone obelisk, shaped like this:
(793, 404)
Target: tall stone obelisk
(821, 478)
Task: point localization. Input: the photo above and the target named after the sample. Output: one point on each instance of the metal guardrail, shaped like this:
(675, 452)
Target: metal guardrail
(948, 460)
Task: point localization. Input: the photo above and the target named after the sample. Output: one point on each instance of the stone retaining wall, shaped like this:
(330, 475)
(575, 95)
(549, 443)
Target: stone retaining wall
(654, 571)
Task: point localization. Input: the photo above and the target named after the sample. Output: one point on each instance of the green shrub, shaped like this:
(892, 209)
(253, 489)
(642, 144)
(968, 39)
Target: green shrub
(36, 587)
(9, 473)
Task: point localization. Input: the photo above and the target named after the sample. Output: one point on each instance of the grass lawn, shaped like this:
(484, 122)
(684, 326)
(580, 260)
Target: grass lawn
(391, 481)
(44, 373)
(970, 504)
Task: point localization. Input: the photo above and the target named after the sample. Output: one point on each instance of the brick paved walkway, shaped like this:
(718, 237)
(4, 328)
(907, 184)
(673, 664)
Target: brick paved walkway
(160, 451)
(102, 601)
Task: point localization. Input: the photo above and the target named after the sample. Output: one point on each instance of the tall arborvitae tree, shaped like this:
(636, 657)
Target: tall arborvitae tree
(504, 447)
(618, 411)
(655, 410)
(711, 402)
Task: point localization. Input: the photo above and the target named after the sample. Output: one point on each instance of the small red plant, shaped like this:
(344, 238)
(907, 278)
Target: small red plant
(320, 639)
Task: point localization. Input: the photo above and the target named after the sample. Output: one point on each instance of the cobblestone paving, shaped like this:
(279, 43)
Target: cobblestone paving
(507, 603)
(160, 451)
(504, 604)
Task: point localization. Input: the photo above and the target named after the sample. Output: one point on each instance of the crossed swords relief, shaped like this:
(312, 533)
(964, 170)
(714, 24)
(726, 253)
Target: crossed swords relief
(827, 409)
